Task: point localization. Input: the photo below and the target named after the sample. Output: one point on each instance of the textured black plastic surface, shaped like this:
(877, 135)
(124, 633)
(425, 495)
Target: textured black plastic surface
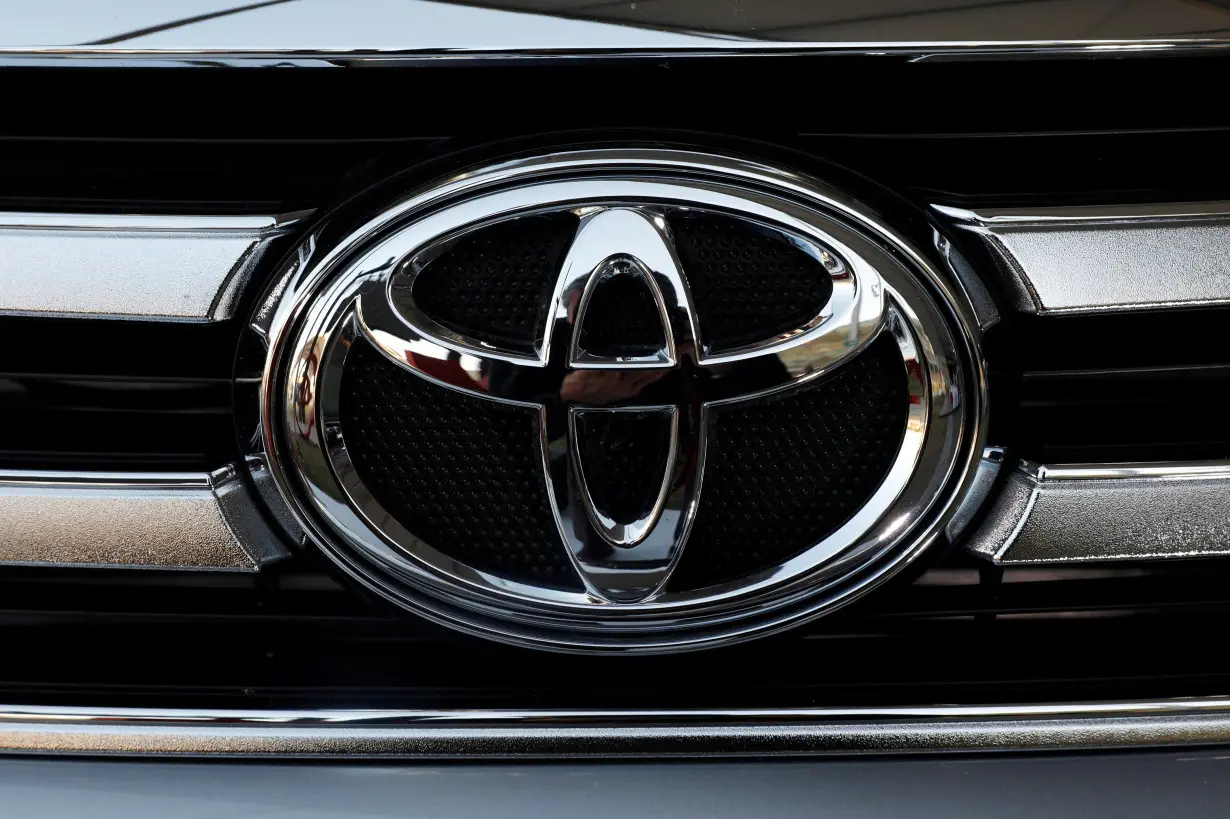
(784, 472)
(461, 473)
(749, 283)
(494, 283)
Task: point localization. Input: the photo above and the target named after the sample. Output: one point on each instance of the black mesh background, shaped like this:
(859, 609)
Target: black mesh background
(462, 473)
(783, 473)
(495, 283)
(748, 283)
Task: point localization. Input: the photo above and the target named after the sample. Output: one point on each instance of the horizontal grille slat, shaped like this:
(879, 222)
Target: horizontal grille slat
(296, 639)
(194, 175)
(93, 433)
(1123, 415)
(96, 395)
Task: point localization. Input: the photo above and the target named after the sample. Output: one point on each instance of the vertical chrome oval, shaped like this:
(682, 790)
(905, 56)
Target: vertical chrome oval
(639, 239)
(629, 562)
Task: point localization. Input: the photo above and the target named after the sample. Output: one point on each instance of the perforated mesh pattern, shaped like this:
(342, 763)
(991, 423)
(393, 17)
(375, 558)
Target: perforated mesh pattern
(494, 284)
(462, 473)
(748, 283)
(783, 473)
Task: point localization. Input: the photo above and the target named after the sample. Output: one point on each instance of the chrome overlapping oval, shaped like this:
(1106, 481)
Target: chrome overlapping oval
(362, 288)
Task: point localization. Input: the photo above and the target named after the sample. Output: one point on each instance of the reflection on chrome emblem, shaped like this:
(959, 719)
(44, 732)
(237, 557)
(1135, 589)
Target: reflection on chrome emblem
(363, 288)
(628, 561)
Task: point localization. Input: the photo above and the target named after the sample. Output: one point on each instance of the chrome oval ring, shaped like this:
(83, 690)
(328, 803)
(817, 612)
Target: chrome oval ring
(322, 300)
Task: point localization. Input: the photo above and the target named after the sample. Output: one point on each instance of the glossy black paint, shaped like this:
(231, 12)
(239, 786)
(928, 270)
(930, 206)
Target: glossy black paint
(301, 25)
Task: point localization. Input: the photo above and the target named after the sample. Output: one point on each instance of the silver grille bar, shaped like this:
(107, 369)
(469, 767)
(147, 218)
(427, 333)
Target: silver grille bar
(153, 268)
(133, 520)
(1096, 512)
(1108, 258)
(614, 734)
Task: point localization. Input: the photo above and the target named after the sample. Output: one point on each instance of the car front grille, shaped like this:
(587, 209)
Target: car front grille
(91, 395)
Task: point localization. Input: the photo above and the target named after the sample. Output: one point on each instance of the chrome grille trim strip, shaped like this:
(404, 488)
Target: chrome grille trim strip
(1088, 214)
(1101, 512)
(1107, 258)
(149, 223)
(174, 520)
(606, 734)
(1160, 470)
(304, 55)
(132, 267)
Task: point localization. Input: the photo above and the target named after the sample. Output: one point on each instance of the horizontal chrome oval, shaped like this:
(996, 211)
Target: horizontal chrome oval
(132, 267)
(1101, 512)
(557, 734)
(1115, 258)
(173, 520)
(851, 304)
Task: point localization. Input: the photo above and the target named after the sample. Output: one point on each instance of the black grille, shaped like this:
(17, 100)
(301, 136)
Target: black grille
(961, 631)
(494, 284)
(292, 638)
(465, 474)
(461, 473)
(1102, 389)
(749, 283)
(784, 472)
(103, 395)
